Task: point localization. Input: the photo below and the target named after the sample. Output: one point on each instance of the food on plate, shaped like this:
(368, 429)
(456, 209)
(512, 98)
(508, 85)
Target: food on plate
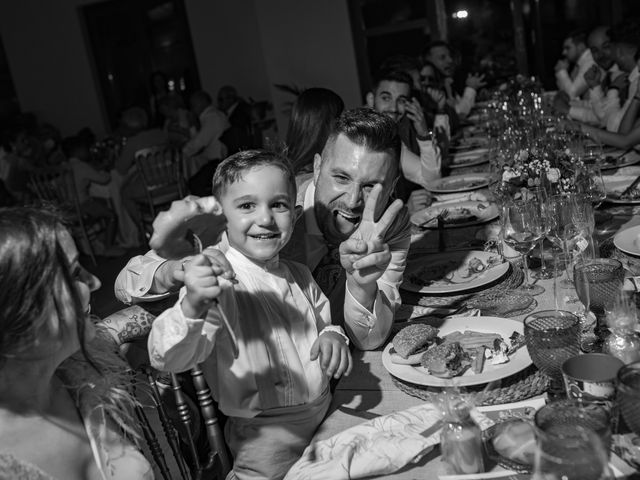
(470, 339)
(446, 360)
(515, 440)
(463, 183)
(411, 342)
(475, 265)
(478, 359)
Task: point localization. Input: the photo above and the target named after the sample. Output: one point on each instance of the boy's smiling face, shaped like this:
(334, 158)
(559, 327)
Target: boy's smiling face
(260, 212)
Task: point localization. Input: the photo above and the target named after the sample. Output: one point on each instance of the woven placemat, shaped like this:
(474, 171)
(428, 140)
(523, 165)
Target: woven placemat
(609, 250)
(520, 386)
(513, 279)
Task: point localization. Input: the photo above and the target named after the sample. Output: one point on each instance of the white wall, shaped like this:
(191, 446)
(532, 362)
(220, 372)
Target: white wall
(308, 43)
(251, 44)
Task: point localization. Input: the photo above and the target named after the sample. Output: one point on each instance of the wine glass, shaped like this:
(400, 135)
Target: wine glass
(600, 282)
(538, 199)
(552, 336)
(570, 452)
(522, 227)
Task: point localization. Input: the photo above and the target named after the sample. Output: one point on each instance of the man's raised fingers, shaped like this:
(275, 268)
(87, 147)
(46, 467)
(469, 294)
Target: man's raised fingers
(388, 216)
(371, 203)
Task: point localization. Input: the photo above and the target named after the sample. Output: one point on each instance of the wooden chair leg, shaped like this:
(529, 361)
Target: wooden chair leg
(185, 417)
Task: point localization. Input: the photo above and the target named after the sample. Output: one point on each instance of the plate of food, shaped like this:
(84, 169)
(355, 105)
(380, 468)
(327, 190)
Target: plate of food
(628, 241)
(469, 143)
(458, 183)
(459, 214)
(453, 272)
(619, 158)
(469, 158)
(616, 185)
(463, 351)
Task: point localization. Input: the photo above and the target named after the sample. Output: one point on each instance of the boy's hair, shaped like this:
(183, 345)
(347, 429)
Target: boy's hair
(234, 167)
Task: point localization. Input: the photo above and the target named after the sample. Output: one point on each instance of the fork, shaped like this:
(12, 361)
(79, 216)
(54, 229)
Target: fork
(444, 213)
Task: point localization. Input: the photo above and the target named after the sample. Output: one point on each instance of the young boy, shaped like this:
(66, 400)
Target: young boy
(276, 392)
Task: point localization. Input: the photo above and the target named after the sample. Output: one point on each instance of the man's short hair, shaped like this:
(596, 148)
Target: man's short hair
(426, 51)
(578, 36)
(401, 63)
(232, 169)
(368, 128)
(391, 76)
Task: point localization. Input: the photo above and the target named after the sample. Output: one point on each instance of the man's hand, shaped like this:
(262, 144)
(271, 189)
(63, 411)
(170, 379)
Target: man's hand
(475, 81)
(439, 97)
(419, 200)
(200, 279)
(414, 111)
(593, 76)
(364, 255)
(335, 358)
(561, 64)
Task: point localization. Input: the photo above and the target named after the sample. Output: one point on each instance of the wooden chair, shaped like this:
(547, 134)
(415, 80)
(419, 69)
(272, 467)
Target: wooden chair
(161, 170)
(56, 186)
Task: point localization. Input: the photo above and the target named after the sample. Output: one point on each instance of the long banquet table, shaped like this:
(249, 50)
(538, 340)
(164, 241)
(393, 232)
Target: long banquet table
(369, 391)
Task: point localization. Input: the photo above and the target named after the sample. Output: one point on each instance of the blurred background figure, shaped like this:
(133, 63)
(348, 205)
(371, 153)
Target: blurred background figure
(239, 134)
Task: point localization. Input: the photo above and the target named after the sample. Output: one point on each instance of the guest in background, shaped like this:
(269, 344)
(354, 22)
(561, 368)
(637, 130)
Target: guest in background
(136, 121)
(239, 134)
(85, 174)
(312, 117)
(438, 53)
(577, 56)
(204, 151)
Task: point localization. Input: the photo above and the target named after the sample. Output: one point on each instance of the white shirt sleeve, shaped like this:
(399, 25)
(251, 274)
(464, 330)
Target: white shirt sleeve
(135, 280)
(424, 168)
(573, 88)
(465, 103)
(177, 343)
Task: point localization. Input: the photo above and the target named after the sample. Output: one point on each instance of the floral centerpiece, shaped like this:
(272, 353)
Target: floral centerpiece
(536, 167)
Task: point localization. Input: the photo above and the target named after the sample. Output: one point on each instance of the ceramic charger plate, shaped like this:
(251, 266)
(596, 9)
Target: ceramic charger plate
(462, 213)
(616, 184)
(458, 183)
(453, 272)
(618, 159)
(628, 241)
(418, 375)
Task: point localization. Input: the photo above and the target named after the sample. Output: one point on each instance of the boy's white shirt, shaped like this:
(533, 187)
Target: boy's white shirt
(276, 322)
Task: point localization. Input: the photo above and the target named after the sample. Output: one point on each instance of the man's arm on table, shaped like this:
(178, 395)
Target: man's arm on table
(146, 278)
(423, 168)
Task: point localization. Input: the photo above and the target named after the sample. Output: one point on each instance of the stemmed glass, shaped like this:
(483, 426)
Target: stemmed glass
(552, 336)
(600, 281)
(538, 198)
(522, 227)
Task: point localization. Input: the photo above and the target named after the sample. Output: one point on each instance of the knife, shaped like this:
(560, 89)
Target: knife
(631, 187)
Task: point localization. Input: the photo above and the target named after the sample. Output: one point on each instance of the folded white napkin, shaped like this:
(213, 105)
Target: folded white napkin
(375, 447)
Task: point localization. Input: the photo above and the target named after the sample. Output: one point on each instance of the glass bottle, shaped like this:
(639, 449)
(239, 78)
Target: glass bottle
(461, 440)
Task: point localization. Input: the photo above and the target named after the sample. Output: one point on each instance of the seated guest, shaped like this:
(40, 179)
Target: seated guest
(275, 391)
(361, 157)
(205, 150)
(312, 117)
(64, 408)
(177, 120)
(607, 91)
(85, 174)
(391, 95)
(577, 56)
(626, 40)
(438, 53)
(238, 136)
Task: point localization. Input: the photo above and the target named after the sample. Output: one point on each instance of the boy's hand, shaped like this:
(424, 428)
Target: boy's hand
(200, 279)
(335, 357)
(215, 256)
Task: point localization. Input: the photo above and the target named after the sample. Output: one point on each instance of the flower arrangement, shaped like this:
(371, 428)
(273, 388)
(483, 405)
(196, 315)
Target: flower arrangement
(556, 171)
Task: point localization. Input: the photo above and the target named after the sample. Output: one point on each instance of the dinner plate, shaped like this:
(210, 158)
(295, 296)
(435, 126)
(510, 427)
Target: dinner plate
(458, 183)
(461, 214)
(469, 158)
(628, 241)
(614, 159)
(450, 272)
(418, 375)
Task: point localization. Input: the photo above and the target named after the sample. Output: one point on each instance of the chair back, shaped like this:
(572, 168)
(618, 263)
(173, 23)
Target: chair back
(161, 167)
(56, 186)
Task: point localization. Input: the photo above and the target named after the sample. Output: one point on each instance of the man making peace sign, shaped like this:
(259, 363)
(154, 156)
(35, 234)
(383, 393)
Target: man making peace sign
(350, 235)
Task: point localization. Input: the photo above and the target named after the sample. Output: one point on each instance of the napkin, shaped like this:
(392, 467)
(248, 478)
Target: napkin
(478, 196)
(376, 447)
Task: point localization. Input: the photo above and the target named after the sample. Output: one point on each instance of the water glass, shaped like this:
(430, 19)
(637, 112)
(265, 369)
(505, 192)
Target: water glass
(552, 336)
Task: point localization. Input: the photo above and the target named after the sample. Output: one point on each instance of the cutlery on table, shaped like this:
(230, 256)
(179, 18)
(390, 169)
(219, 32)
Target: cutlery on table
(441, 218)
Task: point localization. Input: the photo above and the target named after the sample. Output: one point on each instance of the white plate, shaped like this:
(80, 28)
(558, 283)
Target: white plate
(418, 375)
(628, 240)
(630, 158)
(476, 212)
(458, 183)
(449, 272)
(616, 184)
(484, 158)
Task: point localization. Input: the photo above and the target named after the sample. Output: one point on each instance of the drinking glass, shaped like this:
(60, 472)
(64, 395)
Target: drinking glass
(572, 452)
(552, 336)
(537, 197)
(600, 282)
(628, 396)
(522, 227)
